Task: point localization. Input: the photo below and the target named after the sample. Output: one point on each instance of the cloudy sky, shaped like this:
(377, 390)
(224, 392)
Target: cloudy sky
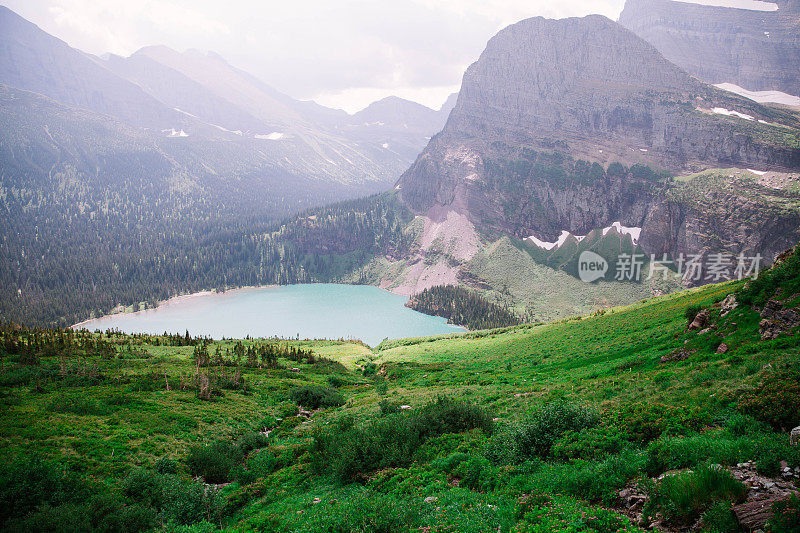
(341, 53)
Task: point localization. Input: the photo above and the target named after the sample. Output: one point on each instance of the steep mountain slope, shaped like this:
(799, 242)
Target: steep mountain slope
(210, 70)
(405, 126)
(33, 60)
(176, 90)
(756, 48)
(373, 146)
(568, 125)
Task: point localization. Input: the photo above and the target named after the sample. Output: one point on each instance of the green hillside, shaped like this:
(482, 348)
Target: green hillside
(566, 426)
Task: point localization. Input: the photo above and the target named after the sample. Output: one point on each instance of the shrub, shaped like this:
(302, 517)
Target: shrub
(720, 519)
(535, 435)
(682, 498)
(786, 517)
(214, 462)
(252, 441)
(144, 486)
(287, 410)
(108, 513)
(647, 422)
(451, 462)
(189, 503)
(445, 415)
(47, 518)
(177, 500)
(259, 465)
(365, 511)
(336, 381)
(477, 473)
(351, 453)
(776, 400)
(590, 443)
(31, 483)
(388, 407)
(78, 405)
(165, 465)
(316, 396)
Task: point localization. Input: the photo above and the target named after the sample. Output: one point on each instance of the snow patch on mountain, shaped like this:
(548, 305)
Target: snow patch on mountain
(236, 132)
(172, 132)
(274, 136)
(729, 113)
(185, 112)
(544, 245)
(762, 97)
(634, 232)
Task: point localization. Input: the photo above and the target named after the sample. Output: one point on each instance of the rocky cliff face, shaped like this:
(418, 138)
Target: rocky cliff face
(725, 210)
(758, 50)
(560, 124)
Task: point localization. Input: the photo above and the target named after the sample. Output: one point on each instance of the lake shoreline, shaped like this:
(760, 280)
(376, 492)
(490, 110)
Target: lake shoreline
(307, 310)
(207, 292)
(176, 299)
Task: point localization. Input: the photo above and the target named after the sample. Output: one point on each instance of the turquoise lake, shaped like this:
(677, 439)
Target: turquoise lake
(312, 311)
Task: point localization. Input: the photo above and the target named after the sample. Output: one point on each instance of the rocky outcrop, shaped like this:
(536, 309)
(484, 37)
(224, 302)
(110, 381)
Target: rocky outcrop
(752, 514)
(758, 50)
(548, 98)
(763, 493)
(728, 304)
(700, 320)
(776, 320)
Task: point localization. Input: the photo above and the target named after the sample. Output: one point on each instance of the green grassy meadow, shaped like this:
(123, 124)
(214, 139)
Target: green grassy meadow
(528, 428)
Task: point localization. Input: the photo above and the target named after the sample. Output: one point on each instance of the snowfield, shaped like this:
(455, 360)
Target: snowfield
(274, 136)
(751, 5)
(729, 113)
(762, 97)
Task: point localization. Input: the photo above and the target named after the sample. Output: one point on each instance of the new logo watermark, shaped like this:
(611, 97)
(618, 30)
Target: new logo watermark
(591, 266)
(692, 268)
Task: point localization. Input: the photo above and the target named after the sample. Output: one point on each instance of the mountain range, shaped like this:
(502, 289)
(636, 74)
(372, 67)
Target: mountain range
(141, 177)
(198, 97)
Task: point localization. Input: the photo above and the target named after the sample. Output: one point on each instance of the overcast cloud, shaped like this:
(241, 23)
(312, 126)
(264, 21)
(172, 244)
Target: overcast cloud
(341, 53)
